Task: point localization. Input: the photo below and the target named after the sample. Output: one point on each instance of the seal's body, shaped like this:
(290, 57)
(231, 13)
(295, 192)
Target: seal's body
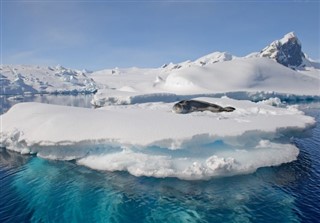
(187, 106)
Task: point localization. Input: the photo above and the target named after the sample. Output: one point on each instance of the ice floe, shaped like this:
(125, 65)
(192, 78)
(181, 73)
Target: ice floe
(148, 139)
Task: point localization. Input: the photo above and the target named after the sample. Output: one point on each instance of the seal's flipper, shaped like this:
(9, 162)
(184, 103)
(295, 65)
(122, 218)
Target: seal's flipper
(229, 109)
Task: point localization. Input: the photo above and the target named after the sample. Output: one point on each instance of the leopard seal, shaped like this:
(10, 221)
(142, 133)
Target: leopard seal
(187, 106)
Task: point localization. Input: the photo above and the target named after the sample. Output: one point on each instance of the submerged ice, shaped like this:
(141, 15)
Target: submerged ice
(148, 139)
(204, 165)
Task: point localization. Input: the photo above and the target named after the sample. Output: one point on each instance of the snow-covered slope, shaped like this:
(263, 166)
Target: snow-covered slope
(281, 69)
(214, 58)
(20, 79)
(211, 58)
(250, 75)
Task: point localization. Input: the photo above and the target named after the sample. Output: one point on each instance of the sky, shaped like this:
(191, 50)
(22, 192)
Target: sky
(101, 34)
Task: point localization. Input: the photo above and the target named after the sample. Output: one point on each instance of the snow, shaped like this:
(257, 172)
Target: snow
(135, 129)
(214, 58)
(148, 139)
(288, 36)
(28, 79)
(251, 75)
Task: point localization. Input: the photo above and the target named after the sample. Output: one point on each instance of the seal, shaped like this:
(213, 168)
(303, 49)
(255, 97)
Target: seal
(187, 106)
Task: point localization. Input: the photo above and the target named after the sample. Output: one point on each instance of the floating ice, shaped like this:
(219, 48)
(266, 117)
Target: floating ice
(149, 140)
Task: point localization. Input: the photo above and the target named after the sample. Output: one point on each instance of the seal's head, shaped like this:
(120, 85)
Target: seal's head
(181, 107)
(177, 108)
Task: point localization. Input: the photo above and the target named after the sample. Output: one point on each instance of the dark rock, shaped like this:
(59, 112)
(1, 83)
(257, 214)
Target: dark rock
(286, 51)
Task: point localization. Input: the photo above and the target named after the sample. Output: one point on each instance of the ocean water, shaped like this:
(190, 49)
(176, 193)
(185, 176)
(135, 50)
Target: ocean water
(38, 190)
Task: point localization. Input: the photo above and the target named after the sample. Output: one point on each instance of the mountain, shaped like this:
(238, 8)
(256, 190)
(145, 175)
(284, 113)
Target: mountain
(279, 70)
(288, 52)
(211, 58)
(214, 58)
(210, 73)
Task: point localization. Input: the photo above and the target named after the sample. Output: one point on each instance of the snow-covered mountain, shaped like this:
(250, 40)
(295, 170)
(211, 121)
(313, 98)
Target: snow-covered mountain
(286, 51)
(21, 79)
(279, 69)
(211, 58)
(214, 58)
(267, 70)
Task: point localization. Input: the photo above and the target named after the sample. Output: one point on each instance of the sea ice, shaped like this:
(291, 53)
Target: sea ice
(148, 139)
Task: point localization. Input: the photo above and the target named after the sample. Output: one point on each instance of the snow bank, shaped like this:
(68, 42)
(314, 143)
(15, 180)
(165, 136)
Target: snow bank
(150, 140)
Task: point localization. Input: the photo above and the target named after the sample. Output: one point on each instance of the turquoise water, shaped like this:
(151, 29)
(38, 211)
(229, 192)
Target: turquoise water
(37, 190)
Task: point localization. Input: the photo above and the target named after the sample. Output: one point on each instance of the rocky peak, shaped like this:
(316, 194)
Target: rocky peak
(286, 51)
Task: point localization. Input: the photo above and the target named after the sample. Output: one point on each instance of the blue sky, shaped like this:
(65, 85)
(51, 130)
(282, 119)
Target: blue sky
(106, 34)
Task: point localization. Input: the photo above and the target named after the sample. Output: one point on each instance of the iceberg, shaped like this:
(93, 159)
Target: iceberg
(148, 139)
